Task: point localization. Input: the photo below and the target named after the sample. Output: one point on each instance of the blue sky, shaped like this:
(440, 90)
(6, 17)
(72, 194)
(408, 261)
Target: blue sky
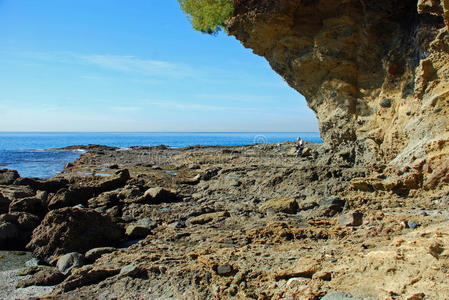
(117, 65)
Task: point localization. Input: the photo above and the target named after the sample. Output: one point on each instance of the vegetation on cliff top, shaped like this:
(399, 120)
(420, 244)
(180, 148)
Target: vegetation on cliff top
(207, 16)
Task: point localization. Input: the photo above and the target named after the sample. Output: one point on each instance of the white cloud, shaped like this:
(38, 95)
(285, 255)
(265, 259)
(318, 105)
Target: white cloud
(132, 64)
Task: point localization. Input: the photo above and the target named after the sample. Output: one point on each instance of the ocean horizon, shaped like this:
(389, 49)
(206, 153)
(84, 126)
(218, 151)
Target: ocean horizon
(30, 152)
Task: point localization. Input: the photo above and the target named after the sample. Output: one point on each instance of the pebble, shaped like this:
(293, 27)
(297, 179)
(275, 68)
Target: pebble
(413, 225)
(224, 270)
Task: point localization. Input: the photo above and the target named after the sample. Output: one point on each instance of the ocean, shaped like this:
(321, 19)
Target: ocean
(27, 152)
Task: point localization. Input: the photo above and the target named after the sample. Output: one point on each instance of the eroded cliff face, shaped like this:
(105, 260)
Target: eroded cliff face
(376, 73)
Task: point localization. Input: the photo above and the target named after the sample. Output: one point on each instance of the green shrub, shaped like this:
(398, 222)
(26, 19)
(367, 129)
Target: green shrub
(207, 16)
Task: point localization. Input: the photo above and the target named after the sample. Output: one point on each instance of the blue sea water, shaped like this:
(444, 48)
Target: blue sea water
(27, 151)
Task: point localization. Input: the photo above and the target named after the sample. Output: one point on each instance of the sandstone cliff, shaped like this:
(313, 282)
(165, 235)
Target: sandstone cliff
(374, 72)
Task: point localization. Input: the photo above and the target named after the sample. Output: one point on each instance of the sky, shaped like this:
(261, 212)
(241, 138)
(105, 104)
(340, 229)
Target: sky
(120, 65)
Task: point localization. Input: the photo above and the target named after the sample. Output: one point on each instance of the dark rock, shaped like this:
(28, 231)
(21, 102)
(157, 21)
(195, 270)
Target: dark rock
(8, 231)
(16, 229)
(15, 192)
(8, 176)
(71, 197)
(224, 270)
(93, 254)
(119, 179)
(27, 222)
(44, 277)
(211, 172)
(30, 205)
(354, 218)
(51, 185)
(42, 195)
(73, 230)
(386, 103)
(107, 199)
(69, 261)
(4, 204)
(330, 206)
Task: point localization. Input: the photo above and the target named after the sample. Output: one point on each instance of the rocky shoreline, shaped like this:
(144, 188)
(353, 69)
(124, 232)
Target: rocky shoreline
(243, 222)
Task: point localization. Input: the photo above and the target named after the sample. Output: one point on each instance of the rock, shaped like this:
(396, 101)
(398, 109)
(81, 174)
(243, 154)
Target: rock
(8, 231)
(285, 205)
(94, 254)
(8, 176)
(44, 277)
(224, 270)
(15, 192)
(206, 218)
(385, 102)
(4, 204)
(413, 225)
(86, 275)
(137, 232)
(210, 173)
(107, 199)
(159, 195)
(51, 185)
(330, 206)
(334, 295)
(73, 230)
(16, 229)
(304, 267)
(119, 179)
(30, 205)
(42, 195)
(71, 197)
(354, 218)
(130, 270)
(147, 222)
(27, 222)
(69, 261)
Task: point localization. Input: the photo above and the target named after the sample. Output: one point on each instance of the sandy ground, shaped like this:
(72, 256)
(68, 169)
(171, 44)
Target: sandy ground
(8, 281)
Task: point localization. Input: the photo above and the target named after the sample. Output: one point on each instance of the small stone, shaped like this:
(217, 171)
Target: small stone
(386, 103)
(137, 231)
(93, 254)
(418, 296)
(130, 270)
(224, 270)
(354, 218)
(69, 261)
(413, 225)
(206, 218)
(285, 205)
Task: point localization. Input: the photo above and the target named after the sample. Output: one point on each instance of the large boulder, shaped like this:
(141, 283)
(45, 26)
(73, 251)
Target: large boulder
(29, 204)
(50, 185)
(15, 192)
(71, 197)
(8, 176)
(4, 204)
(73, 230)
(16, 229)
